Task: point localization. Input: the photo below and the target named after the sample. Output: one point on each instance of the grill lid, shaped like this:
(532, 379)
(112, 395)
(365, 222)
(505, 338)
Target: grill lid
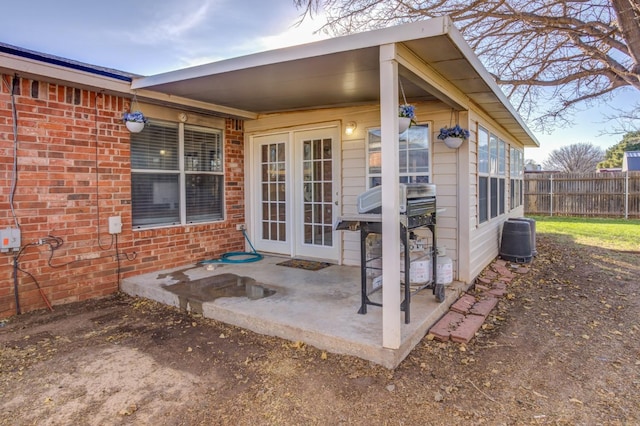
(370, 201)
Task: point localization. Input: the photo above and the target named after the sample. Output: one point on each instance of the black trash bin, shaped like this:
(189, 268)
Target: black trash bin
(515, 245)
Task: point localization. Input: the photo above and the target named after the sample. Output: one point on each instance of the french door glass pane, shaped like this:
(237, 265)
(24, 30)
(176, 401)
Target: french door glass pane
(273, 173)
(317, 191)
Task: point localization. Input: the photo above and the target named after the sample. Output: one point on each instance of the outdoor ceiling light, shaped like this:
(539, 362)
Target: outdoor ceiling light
(350, 127)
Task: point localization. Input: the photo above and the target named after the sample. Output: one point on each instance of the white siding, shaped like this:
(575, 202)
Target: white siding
(484, 239)
(445, 175)
(353, 183)
(470, 246)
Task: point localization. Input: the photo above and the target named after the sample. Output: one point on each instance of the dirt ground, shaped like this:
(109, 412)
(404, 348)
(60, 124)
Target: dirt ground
(563, 347)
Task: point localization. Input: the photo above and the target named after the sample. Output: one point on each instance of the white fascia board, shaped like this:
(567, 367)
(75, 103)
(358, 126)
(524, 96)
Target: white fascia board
(38, 70)
(412, 31)
(172, 100)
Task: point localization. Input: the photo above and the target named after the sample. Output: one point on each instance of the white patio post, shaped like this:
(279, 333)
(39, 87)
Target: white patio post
(391, 318)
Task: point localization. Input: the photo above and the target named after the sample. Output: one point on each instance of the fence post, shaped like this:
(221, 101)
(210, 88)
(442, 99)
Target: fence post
(551, 195)
(626, 194)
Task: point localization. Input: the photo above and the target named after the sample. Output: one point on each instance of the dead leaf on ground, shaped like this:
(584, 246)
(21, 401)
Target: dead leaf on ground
(129, 410)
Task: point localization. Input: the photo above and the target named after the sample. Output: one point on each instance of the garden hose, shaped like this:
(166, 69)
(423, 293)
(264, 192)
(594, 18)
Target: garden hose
(233, 257)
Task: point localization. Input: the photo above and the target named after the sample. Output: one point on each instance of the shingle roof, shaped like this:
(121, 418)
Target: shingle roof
(68, 63)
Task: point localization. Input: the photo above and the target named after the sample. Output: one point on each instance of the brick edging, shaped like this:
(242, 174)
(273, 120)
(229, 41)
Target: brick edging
(466, 316)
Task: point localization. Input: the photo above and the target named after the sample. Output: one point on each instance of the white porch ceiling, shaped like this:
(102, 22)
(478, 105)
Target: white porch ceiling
(339, 72)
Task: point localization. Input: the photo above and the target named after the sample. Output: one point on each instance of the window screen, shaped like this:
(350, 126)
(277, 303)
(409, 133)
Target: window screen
(167, 191)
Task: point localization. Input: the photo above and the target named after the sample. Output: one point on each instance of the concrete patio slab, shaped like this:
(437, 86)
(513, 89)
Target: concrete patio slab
(318, 308)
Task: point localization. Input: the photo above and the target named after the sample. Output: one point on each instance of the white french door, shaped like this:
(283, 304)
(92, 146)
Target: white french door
(272, 209)
(316, 193)
(297, 190)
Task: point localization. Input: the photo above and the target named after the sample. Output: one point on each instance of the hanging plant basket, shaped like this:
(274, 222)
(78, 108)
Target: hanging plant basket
(403, 124)
(135, 126)
(453, 136)
(406, 113)
(134, 121)
(453, 142)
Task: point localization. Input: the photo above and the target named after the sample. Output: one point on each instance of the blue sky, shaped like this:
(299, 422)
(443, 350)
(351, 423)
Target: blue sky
(151, 36)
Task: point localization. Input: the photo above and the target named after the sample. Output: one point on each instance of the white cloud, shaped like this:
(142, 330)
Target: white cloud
(179, 25)
(306, 32)
(172, 23)
(293, 35)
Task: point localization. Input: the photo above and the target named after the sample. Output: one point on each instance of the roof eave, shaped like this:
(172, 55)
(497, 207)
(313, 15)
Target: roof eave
(415, 30)
(37, 69)
(471, 57)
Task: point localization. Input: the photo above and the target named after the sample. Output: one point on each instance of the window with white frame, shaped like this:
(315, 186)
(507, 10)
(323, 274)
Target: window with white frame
(491, 175)
(502, 176)
(483, 175)
(177, 175)
(517, 177)
(413, 151)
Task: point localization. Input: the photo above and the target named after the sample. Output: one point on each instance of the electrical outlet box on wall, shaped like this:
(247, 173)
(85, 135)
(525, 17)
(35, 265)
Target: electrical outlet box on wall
(9, 239)
(115, 225)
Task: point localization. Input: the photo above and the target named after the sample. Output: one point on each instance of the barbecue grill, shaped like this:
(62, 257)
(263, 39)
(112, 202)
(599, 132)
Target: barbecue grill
(417, 210)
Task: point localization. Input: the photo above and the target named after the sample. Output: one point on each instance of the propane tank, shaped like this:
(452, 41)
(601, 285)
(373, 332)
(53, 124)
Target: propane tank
(444, 267)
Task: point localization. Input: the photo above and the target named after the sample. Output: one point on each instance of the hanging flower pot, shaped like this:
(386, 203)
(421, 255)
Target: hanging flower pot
(134, 121)
(453, 142)
(134, 126)
(453, 136)
(403, 124)
(406, 114)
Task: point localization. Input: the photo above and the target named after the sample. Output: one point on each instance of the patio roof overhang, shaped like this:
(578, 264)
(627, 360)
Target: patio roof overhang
(429, 60)
(345, 71)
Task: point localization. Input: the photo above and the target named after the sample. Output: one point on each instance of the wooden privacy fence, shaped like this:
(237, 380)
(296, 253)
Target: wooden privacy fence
(614, 194)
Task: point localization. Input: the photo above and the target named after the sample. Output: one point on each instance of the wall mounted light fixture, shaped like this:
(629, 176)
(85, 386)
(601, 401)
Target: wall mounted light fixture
(350, 127)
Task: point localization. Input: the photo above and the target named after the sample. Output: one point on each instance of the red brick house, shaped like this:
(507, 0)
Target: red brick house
(72, 171)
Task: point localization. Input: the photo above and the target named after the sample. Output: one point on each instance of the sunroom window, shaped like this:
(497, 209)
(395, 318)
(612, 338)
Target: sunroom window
(413, 152)
(517, 176)
(491, 175)
(177, 175)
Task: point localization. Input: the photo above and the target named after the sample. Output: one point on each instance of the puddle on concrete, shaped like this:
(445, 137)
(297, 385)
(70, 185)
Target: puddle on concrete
(193, 293)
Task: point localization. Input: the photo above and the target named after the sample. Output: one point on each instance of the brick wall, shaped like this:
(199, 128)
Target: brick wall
(70, 180)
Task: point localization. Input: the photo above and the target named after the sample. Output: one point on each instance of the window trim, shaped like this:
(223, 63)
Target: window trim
(516, 177)
(429, 174)
(182, 173)
(491, 171)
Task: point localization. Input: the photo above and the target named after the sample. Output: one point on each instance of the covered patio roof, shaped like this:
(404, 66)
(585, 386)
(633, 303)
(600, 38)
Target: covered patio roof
(342, 72)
